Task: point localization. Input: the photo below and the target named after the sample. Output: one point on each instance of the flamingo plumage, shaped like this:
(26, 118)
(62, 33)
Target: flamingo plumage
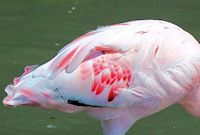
(117, 74)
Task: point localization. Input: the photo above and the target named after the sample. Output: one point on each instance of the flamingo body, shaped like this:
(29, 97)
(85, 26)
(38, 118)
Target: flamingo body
(117, 74)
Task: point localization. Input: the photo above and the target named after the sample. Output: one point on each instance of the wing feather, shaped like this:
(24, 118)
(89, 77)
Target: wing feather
(105, 40)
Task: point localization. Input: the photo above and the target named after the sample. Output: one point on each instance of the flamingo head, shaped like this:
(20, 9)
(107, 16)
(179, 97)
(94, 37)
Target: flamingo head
(32, 91)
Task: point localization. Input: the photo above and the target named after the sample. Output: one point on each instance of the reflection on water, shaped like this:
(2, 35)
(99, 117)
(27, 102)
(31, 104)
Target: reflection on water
(31, 32)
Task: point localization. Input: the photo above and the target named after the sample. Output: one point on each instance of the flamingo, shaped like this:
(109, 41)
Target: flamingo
(118, 74)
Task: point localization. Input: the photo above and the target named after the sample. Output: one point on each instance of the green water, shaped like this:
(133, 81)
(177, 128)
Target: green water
(32, 31)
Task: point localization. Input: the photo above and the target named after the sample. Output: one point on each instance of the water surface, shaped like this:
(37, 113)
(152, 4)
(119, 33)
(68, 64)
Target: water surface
(31, 32)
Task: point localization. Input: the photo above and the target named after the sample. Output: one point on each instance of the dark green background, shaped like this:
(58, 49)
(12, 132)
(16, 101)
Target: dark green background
(32, 31)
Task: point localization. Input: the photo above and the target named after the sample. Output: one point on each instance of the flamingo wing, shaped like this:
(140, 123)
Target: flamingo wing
(101, 40)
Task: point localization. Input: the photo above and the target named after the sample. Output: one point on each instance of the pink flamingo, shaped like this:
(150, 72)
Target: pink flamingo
(117, 74)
